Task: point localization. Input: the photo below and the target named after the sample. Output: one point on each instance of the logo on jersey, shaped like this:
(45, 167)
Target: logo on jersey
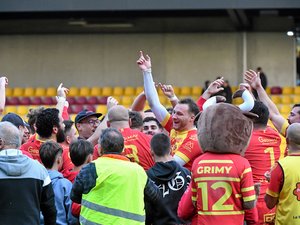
(296, 191)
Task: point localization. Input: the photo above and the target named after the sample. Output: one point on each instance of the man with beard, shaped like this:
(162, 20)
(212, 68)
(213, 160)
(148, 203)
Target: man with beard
(49, 126)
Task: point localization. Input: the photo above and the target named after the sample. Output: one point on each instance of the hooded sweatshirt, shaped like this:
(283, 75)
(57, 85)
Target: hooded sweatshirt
(172, 180)
(62, 189)
(25, 190)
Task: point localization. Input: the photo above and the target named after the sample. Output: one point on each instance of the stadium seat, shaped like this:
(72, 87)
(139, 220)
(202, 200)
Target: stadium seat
(185, 90)
(22, 110)
(84, 91)
(73, 91)
(40, 91)
(126, 100)
(95, 91)
(71, 100)
(102, 100)
(90, 108)
(75, 109)
(276, 99)
(296, 99)
(297, 90)
(139, 89)
(118, 91)
(80, 100)
(51, 91)
(285, 109)
(25, 101)
(129, 91)
(287, 90)
(36, 100)
(18, 91)
(8, 91)
(197, 90)
(92, 100)
(29, 92)
(47, 100)
(176, 90)
(286, 99)
(163, 99)
(10, 108)
(12, 101)
(107, 91)
(268, 90)
(118, 98)
(101, 109)
(276, 90)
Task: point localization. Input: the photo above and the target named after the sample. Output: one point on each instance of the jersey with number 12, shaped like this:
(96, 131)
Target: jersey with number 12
(220, 185)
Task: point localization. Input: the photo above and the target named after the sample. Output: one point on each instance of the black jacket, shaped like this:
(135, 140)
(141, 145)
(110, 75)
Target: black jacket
(172, 180)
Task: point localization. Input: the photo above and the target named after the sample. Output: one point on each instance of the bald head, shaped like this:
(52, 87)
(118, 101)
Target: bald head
(118, 114)
(293, 134)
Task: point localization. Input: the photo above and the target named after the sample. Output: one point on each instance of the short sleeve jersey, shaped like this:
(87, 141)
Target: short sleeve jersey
(220, 185)
(137, 147)
(262, 153)
(184, 143)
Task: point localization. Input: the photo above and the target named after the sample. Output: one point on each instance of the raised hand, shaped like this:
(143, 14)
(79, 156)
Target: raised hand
(3, 81)
(167, 90)
(252, 78)
(62, 91)
(144, 62)
(111, 101)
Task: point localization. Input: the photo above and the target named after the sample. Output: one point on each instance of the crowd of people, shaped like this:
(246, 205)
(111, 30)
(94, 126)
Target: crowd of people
(189, 164)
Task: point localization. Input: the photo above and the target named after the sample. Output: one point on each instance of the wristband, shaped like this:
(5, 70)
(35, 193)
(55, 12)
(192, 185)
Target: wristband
(173, 98)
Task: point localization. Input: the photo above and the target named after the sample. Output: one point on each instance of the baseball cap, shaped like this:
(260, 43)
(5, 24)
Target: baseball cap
(84, 114)
(14, 119)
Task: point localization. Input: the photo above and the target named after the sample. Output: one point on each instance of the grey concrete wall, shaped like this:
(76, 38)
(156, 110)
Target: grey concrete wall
(179, 59)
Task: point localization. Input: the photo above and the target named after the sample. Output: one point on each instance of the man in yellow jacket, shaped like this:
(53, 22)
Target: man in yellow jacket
(111, 189)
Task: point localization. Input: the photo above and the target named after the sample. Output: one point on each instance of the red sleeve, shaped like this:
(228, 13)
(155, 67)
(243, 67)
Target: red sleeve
(247, 185)
(67, 163)
(276, 181)
(186, 209)
(96, 153)
(200, 103)
(76, 209)
(65, 114)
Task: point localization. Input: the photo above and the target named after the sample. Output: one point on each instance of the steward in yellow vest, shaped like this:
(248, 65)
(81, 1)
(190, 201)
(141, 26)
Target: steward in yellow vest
(111, 189)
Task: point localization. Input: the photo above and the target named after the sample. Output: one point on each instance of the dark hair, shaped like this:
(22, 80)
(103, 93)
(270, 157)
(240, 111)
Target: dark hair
(193, 108)
(297, 105)
(136, 119)
(79, 151)
(32, 115)
(68, 125)
(46, 120)
(148, 119)
(111, 141)
(49, 152)
(160, 144)
(262, 111)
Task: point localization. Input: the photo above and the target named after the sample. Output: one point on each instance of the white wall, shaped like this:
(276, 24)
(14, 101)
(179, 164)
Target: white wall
(179, 59)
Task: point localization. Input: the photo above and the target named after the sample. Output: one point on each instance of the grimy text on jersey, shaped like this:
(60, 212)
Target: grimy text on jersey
(214, 169)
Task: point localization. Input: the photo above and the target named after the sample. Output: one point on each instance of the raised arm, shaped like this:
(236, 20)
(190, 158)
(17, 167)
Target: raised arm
(151, 94)
(62, 104)
(139, 102)
(253, 79)
(3, 84)
(169, 93)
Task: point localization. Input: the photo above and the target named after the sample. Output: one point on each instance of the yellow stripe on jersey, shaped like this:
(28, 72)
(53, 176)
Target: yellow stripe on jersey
(248, 170)
(284, 127)
(166, 119)
(194, 198)
(249, 198)
(182, 156)
(194, 190)
(247, 189)
(221, 213)
(215, 161)
(217, 178)
(271, 193)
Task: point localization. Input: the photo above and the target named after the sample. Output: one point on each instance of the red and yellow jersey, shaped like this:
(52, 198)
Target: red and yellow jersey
(262, 153)
(184, 143)
(220, 185)
(137, 147)
(33, 147)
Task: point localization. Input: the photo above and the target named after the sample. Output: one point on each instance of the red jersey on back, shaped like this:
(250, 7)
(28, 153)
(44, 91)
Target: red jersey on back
(220, 185)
